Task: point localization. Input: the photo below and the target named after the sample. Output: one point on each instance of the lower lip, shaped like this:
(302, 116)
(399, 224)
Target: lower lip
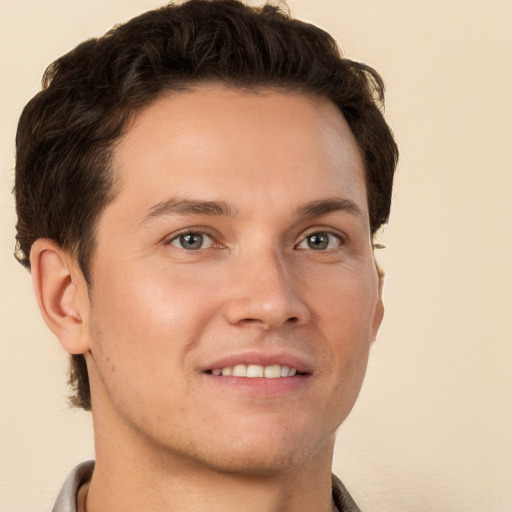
(259, 386)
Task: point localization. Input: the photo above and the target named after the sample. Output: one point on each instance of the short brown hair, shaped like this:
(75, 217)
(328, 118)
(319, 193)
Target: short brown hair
(66, 132)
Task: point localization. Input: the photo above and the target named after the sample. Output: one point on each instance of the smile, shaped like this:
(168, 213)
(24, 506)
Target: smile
(275, 371)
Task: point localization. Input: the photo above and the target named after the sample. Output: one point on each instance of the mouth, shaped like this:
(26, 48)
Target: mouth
(260, 374)
(252, 371)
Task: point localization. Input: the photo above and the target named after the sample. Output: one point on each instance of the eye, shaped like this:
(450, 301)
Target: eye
(320, 241)
(192, 241)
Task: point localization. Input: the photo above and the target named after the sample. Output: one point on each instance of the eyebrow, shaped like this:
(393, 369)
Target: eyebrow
(330, 205)
(177, 206)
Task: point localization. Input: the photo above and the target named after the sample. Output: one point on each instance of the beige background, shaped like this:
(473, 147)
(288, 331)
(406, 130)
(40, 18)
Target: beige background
(432, 430)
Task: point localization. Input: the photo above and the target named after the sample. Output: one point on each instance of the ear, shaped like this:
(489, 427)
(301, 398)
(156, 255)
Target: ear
(379, 309)
(61, 293)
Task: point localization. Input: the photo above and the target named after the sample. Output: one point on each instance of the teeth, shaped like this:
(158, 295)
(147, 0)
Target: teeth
(227, 371)
(274, 371)
(255, 370)
(240, 370)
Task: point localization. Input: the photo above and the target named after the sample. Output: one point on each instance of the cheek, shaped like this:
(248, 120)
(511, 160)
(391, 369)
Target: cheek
(140, 331)
(345, 302)
(148, 320)
(347, 317)
(149, 298)
(350, 379)
(349, 346)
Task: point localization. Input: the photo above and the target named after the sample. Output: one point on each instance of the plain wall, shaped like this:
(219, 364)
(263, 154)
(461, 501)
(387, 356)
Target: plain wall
(432, 430)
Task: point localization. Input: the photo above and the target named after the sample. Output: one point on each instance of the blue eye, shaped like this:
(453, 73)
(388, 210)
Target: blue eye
(192, 241)
(320, 241)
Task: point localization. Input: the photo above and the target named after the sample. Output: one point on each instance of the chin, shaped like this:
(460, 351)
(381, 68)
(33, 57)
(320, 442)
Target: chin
(266, 455)
(259, 463)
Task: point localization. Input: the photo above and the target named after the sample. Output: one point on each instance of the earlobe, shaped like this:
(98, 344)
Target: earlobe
(379, 309)
(377, 319)
(61, 293)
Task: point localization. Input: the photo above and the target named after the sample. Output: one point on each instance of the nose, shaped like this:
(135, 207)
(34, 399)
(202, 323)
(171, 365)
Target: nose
(264, 293)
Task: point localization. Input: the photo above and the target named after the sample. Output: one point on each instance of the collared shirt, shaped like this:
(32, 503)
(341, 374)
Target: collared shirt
(66, 501)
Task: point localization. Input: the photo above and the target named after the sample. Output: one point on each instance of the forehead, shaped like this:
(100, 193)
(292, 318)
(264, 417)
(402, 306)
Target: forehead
(259, 145)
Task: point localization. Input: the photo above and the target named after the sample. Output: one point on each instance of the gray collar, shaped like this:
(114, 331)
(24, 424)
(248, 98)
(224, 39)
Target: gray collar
(66, 500)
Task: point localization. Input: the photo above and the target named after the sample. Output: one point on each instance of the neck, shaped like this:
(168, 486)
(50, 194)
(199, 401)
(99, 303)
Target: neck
(217, 494)
(128, 478)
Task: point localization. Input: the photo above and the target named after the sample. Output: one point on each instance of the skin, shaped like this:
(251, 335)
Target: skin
(284, 172)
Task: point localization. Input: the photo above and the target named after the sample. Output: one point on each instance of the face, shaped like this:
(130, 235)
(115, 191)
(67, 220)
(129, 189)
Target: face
(234, 291)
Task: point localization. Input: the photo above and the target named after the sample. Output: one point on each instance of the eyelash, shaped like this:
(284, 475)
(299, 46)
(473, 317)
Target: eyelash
(318, 233)
(197, 233)
(330, 236)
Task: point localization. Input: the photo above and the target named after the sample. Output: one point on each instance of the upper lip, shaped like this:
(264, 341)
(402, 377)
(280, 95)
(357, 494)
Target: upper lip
(300, 363)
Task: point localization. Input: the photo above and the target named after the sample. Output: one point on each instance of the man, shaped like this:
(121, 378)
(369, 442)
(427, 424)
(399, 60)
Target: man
(197, 194)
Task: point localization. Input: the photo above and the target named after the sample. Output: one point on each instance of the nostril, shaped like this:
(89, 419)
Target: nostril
(250, 321)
